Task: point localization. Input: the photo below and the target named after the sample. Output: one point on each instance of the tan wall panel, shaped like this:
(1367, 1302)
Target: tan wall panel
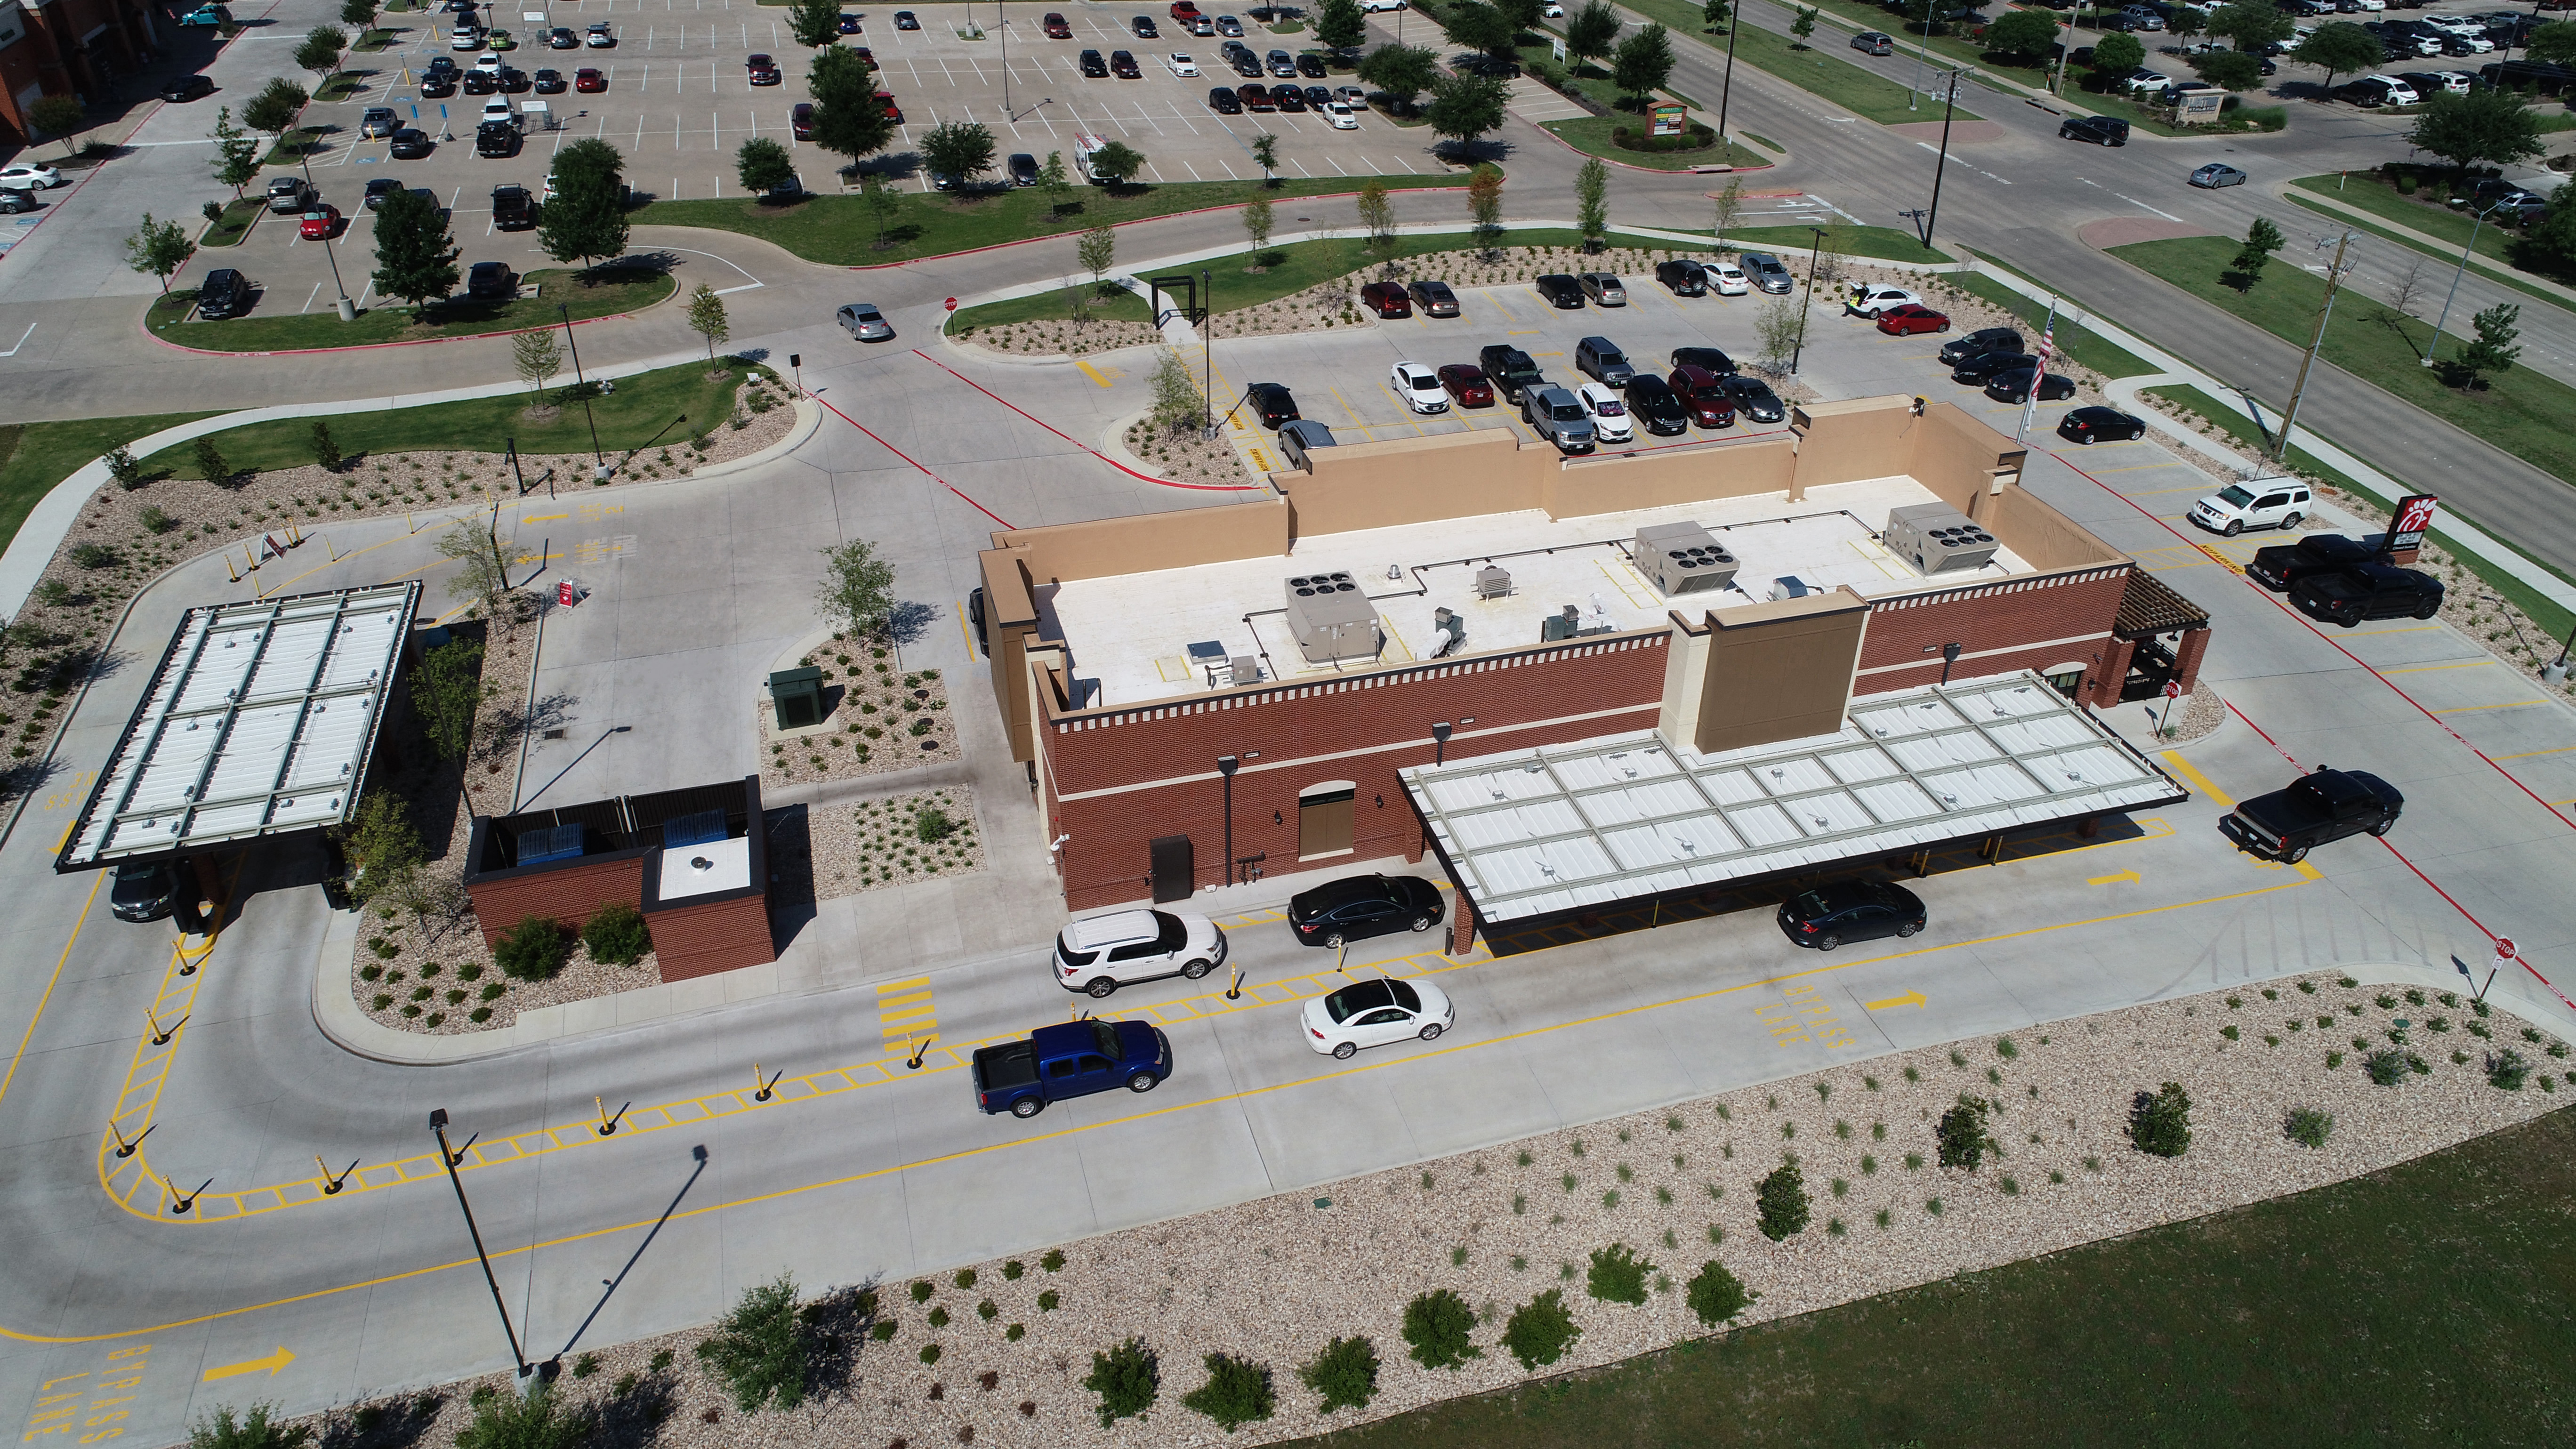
(2045, 538)
(1414, 480)
(1662, 480)
(1842, 442)
(1956, 455)
(1141, 543)
(1780, 671)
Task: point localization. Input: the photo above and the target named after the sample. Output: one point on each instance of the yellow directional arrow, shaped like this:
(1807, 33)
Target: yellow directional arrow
(2130, 876)
(1911, 998)
(270, 1365)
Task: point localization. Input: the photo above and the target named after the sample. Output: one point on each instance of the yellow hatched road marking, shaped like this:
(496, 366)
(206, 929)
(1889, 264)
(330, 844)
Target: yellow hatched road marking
(1089, 372)
(2199, 781)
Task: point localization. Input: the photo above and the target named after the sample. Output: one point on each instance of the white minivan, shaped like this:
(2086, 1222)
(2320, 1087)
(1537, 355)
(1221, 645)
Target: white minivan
(2255, 503)
(1099, 954)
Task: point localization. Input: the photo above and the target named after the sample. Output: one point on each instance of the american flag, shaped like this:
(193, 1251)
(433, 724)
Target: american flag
(2047, 350)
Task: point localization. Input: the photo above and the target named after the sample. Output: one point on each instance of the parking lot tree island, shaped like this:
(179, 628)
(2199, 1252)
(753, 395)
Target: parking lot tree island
(857, 594)
(959, 150)
(1403, 72)
(585, 219)
(707, 319)
(762, 166)
(415, 258)
(847, 119)
(2338, 48)
(1464, 107)
(160, 248)
(814, 23)
(236, 154)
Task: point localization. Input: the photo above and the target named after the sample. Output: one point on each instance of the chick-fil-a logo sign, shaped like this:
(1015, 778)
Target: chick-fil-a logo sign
(2414, 517)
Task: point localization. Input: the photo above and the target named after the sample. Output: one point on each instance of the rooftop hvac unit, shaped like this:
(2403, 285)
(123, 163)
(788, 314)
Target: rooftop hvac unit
(1937, 539)
(1683, 558)
(1331, 618)
(1493, 582)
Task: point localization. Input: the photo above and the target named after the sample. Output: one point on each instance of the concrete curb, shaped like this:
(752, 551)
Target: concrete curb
(809, 420)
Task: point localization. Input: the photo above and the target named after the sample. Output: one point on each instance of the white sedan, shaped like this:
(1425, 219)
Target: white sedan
(1726, 279)
(1338, 115)
(1419, 386)
(29, 176)
(1608, 413)
(1181, 64)
(1869, 299)
(1374, 6)
(1377, 1013)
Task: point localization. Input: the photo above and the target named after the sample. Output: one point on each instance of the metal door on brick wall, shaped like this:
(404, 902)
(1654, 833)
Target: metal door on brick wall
(1324, 819)
(1173, 877)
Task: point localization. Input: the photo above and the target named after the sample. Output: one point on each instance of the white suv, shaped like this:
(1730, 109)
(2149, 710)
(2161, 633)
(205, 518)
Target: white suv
(2258, 503)
(1102, 953)
(1609, 413)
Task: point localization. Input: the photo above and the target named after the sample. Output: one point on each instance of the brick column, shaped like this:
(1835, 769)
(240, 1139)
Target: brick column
(2195, 643)
(2106, 677)
(1462, 923)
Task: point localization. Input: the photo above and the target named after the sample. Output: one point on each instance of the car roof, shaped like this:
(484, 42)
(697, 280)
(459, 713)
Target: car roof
(1115, 929)
(1600, 392)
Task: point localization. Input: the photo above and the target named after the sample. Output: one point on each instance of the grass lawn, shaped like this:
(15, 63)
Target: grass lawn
(1868, 242)
(642, 408)
(622, 291)
(837, 230)
(2381, 198)
(2548, 615)
(1818, 69)
(1591, 136)
(234, 224)
(2106, 358)
(2440, 260)
(2427, 1304)
(36, 456)
(2522, 412)
(290, 147)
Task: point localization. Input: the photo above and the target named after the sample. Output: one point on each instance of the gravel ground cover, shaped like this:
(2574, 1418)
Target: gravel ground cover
(885, 718)
(1186, 457)
(995, 1353)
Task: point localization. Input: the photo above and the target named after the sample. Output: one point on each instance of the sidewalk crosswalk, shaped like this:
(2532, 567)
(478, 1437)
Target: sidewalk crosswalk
(905, 1014)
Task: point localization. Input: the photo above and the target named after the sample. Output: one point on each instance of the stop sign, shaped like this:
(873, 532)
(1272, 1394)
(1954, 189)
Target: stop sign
(2173, 689)
(2504, 948)
(952, 304)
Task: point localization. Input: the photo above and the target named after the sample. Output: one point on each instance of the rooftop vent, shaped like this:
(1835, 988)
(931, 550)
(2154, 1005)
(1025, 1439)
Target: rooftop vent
(1937, 539)
(1493, 582)
(1331, 618)
(1683, 558)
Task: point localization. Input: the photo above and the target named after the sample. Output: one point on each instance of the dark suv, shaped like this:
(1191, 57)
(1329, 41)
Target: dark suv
(1509, 369)
(1651, 401)
(1275, 404)
(1984, 339)
(2284, 564)
(222, 294)
(1683, 276)
(1560, 290)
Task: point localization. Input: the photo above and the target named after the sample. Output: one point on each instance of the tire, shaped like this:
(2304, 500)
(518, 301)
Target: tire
(2289, 522)
(2140, 432)
(1196, 969)
(1027, 1107)
(2384, 826)
(2085, 441)
(1828, 941)
(1344, 1051)
(2234, 527)
(2294, 855)
(1099, 987)
(1424, 922)
(2349, 620)
(1333, 942)
(2429, 609)
(1143, 1082)
(1908, 929)
(1431, 1032)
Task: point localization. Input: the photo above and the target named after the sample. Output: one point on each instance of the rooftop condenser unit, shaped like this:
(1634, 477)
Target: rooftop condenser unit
(1937, 539)
(1332, 618)
(1683, 558)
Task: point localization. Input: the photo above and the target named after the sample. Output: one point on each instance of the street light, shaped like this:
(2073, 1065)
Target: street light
(1814, 255)
(597, 457)
(1726, 87)
(348, 309)
(1941, 164)
(531, 1376)
(2435, 345)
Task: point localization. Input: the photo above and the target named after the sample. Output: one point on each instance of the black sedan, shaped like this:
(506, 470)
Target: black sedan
(1275, 404)
(1363, 906)
(2094, 425)
(144, 891)
(904, 20)
(187, 88)
(2015, 386)
(1706, 359)
(1223, 101)
(1652, 401)
(1856, 910)
(1754, 400)
(1288, 98)
(1976, 367)
(1093, 64)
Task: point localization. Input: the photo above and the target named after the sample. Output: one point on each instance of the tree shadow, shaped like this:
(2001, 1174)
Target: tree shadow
(909, 620)
(395, 1423)
(836, 1324)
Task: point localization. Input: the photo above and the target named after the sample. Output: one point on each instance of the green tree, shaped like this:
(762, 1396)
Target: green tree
(1117, 163)
(2114, 56)
(2252, 26)
(1485, 205)
(761, 1349)
(1053, 184)
(2478, 128)
(482, 573)
(814, 23)
(2231, 70)
(1775, 330)
(857, 594)
(2020, 35)
(2261, 240)
(2338, 48)
(57, 116)
(1729, 208)
(762, 165)
(382, 844)
(2494, 351)
(1340, 24)
(535, 356)
(1803, 26)
(960, 150)
(1781, 1200)
(1643, 63)
(1177, 404)
(1097, 250)
(885, 205)
(1592, 201)
(1127, 1378)
(707, 318)
(586, 217)
(274, 111)
(1591, 32)
(326, 449)
(848, 119)
(415, 259)
(1265, 154)
(1257, 221)
(1480, 27)
(2551, 242)
(321, 49)
(2185, 22)
(160, 248)
(447, 690)
(1376, 212)
(360, 13)
(1465, 107)
(211, 464)
(533, 950)
(1402, 72)
(539, 1421)
(617, 934)
(1715, 13)
(253, 1430)
(2554, 42)
(236, 154)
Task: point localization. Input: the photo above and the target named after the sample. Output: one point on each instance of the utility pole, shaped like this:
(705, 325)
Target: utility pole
(1726, 88)
(1949, 101)
(2334, 284)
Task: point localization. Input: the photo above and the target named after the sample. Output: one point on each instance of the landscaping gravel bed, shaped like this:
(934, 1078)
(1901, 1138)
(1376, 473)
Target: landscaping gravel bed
(1272, 1279)
(871, 727)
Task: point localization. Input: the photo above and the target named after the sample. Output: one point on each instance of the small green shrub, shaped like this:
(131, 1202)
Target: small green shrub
(2160, 1121)
(1962, 1134)
(987, 1311)
(2507, 1070)
(1782, 1201)
(2387, 1068)
(533, 950)
(1053, 1262)
(1618, 1275)
(1716, 1295)
(965, 1278)
(1048, 1300)
(1438, 1324)
(760, 1350)
(1541, 1330)
(2004, 1048)
(1013, 1269)
(939, 1317)
(616, 934)
(1344, 1375)
(921, 1292)
(1126, 1378)
(2308, 1126)
(882, 1330)
(930, 1353)
(252, 1430)
(1237, 1392)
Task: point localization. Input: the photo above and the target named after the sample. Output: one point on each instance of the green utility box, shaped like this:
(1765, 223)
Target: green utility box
(797, 695)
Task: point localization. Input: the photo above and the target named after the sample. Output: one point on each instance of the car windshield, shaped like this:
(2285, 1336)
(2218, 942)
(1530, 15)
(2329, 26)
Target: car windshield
(1171, 933)
(1350, 1001)
(1812, 904)
(2235, 497)
(1106, 1033)
(1609, 407)
(1419, 381)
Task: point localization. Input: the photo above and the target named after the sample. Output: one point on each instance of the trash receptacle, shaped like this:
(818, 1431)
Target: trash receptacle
(797, 696)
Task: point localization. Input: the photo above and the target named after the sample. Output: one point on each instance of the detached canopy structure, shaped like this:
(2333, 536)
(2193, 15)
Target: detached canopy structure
(259, 721)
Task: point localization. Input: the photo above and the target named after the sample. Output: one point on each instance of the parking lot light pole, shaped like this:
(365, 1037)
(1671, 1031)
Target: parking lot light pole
(527, 1371)
(597, 457)
(1814, 255)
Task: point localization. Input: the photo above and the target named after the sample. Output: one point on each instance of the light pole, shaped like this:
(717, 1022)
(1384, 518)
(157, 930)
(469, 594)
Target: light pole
(348, 309)
(1726, 87)
(597, 457)
(1922, 57)
(1941, 166)
(531, 1376)
(2435, 345)
(1814, 255)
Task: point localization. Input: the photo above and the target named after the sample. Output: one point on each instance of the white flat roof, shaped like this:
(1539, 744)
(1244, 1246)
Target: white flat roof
(1562, 826)
(1130, 634)
(726, 867)
(259, 719)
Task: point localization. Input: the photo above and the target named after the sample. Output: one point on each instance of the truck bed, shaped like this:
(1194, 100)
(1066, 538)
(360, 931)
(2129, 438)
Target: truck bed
(1006, 1067)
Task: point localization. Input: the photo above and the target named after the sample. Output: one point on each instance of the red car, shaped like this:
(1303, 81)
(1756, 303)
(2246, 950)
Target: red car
(894, 112)
(1056, 29)
(801, 120)
(322, 222)
(1466, 383)
(764, 71)
(1906, 319)
(1701, 391)
(589, 81)
(1185, 9)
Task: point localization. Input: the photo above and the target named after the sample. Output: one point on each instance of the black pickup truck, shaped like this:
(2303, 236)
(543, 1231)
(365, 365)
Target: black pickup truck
(2361, 591)
(2322, 806)
(1070, 1059)
(2284, 564)
(1509, 369)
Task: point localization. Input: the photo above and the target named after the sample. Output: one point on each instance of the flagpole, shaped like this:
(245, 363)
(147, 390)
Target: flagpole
(2047, 347)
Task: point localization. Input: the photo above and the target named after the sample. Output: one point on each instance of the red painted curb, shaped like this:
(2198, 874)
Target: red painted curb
(900, 453)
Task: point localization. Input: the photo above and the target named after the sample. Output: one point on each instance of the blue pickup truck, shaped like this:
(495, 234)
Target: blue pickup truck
(1071, 1059)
